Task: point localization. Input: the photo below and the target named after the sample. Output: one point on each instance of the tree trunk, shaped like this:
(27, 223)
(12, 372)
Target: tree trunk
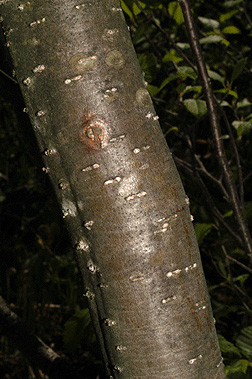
(117, 186)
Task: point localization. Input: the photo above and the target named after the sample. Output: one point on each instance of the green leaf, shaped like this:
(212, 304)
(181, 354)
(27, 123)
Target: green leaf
(225, 137)
(126, 9)
(213, 38)
(231, 3)
(209, 22)
(215, 76)
(196, 107)
(231, 30)
(227, 92)
(226, 16)
(244, 340)
(172, 56)
(222, 268)
(201, 231)
(242, 127)
(136, 9)
(175, 12)
(185, 72)
(228, 347)
(239, 366)
(228, 214)
(172, 129)
(153, 90)
(76, 328)
(224, 103)
(183, 45)
(238, 68)
(243, 103)
(196, 89)
(2, 198)
(168, 80)
(148, 63)
(241, 279)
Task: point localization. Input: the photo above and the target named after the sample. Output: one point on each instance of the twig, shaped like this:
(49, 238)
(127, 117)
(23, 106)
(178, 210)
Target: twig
(246, 13)
(39, 354)
(207, 174)
(208, 197)
(202, 169)
(247, 177)
(215, 126)
(239, 263)
(236, 153)
(8, 76)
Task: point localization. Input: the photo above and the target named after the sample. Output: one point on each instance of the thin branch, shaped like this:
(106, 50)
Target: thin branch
(236, 153)
(202, 169)
(215, 126)
(247, 176)
(5, 177)
(39, 354)
(246, 13)
(207, 174)
(188, 168)
(239, 263)
(243, 293)
(8, 76)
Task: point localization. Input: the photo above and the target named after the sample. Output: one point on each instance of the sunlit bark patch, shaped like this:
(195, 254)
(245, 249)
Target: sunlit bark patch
(94, 132)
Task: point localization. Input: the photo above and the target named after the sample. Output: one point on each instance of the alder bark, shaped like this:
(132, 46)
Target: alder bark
(117, 185)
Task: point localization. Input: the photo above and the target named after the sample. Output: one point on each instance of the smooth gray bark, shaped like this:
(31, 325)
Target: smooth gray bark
(118, 188)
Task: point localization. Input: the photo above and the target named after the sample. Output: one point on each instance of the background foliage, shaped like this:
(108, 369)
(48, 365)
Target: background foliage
(38, 276)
